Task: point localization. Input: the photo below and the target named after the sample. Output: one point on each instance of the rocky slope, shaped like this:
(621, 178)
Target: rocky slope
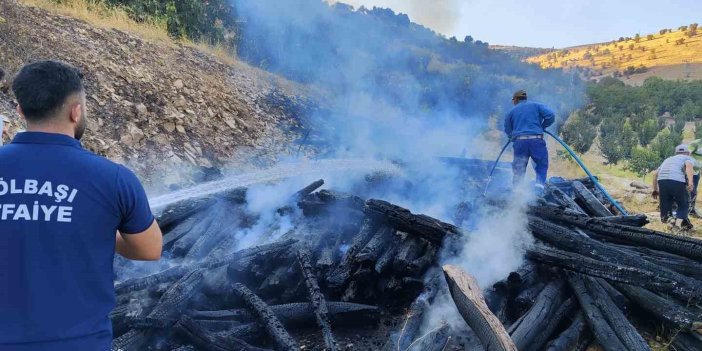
(157, 107)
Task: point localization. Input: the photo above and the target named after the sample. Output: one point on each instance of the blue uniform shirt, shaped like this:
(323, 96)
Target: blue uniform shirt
(60, 208)
(528, 118)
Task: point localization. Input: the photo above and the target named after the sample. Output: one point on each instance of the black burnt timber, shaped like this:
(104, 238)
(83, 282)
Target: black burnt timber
(667, 311)
(565, 239)
(588, 201)
(178, 231)
(409, 251)
(560, 198)
(622, 234)
(497, 301)
(386, 259)
(523, 277)
(316, 203)
(375, 247)
(299, 312)
(524, 300)
(562, 314)
(319, 303)
(528, 329)
(570, 338)
(603, 332)
(339, 276)
(174, 273)
(639, 220)
(626, 332)
(680, 264)
(174, 214)
(214, 224)
(307, 190)
(617, 297)
(170, 306)
(182, 244)
(469, 300)
(204, 245)
(422, 263)
(402, 219)
(687, 342)
(209, 341)
(267, 318)
(612, 272)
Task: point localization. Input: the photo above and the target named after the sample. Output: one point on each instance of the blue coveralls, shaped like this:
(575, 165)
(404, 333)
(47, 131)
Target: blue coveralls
(524, 124)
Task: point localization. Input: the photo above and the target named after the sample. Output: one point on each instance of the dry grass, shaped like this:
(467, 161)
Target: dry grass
(100, 15)
(660, 50)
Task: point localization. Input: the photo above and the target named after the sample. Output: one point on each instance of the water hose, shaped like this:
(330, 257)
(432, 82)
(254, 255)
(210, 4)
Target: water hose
(592, 178)
(497, 161)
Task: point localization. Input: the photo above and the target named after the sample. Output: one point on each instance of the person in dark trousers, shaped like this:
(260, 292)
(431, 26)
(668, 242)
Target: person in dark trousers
(525, 125)
(672, 184)
(64, 212)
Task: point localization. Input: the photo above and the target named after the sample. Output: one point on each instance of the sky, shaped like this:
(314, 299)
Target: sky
(544, 23)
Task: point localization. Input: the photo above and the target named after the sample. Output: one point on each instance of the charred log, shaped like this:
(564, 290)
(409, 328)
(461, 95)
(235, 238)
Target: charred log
(307, 190)
(687, 342)
(267, 318)
(374, 248)
(535, 322)
(297, 313)
(632, 220)
(572, 336)
(339, 275)
(558, 197)
(209, 341)
(596, 320)
(319, 303)
(469, 301)
(176, 272)
(667, 311)
(561, 315)
(609, 324)
(388, 255)
(588, 201)
(524, 300)
(402, 219)
(565, 239)
(683, 246)
(611, 272)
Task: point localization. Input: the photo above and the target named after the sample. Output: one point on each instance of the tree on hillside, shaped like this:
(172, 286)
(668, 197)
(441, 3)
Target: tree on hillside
(637, 37)
(665, 142)
(683, 28)
(628, 140)
(643, 161)
(579, 133)
(650, 37)
(610, 141)
(647, 131)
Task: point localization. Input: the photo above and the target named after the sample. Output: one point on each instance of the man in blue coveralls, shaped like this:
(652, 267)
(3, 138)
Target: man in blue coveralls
(525, 125)
(63, 213)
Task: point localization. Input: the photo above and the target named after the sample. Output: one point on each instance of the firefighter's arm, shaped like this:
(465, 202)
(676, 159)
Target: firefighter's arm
(655, 184)
(144, 246)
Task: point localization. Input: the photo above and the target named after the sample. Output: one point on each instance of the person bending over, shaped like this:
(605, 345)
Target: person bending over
(672, 183)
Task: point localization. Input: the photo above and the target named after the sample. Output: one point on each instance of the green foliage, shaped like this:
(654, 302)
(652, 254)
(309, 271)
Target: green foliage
(579, 133)
(610, 141)
(665, 142)
(211, 21)
(647, 131)
(628, 140)
(643, 161)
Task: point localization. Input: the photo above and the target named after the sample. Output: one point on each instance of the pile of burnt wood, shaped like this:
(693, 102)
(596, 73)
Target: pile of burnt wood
(351, 264)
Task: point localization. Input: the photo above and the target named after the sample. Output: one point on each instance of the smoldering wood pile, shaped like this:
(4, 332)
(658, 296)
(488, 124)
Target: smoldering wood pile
(593, 277)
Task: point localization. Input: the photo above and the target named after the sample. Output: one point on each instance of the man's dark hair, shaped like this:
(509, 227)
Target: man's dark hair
(42, 87)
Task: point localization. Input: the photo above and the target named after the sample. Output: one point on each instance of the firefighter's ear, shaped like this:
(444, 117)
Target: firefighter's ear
(76, 113)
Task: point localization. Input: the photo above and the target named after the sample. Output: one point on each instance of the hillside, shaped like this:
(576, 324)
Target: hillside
(672, 54)
(158, 106)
